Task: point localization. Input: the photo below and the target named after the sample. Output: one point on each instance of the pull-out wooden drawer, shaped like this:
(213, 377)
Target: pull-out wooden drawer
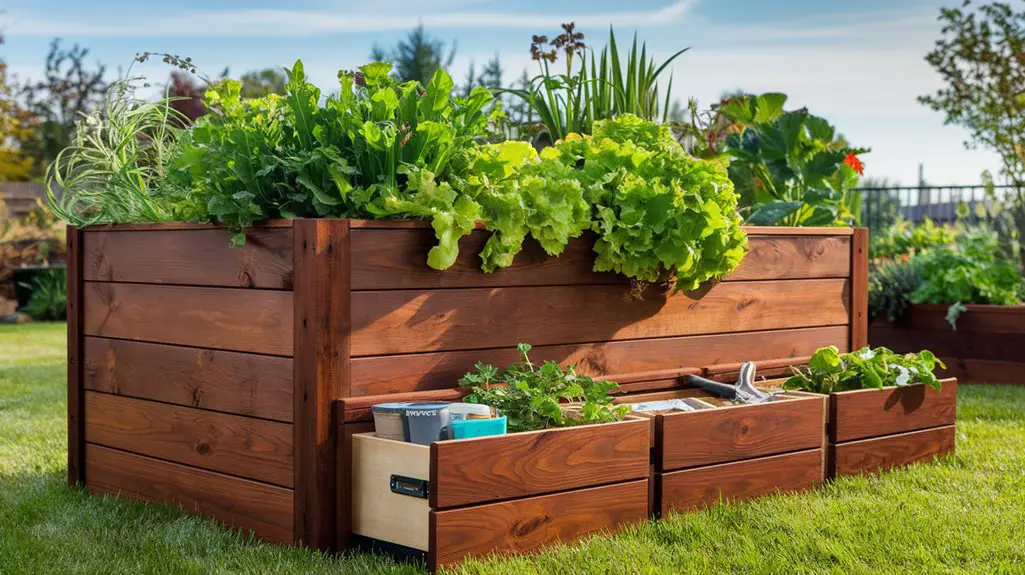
(505, 493)
(737, 451)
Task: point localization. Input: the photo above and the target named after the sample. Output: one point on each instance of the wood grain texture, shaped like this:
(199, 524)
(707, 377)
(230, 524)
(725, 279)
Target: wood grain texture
(321, 371)
(468, 471)
(727, 434)
(408, 321)
(245, 447)
(859, 289)
(889, 451)
(258, 321)
(76, 406)
(343, 479)
(701, 486)
(238, 503)
(394, 259)
(231, 382)
(440, 370)
(985, 371)
(977, 318)
(865, 413)
(527, 525)
(191, 257)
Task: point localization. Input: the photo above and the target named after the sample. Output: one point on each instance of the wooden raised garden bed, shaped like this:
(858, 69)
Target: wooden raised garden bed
(985, 348)
(233, 381)
(735, 452)
(872, 430)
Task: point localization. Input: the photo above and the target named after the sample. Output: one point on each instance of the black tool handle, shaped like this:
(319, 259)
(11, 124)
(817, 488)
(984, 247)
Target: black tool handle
(720, 389)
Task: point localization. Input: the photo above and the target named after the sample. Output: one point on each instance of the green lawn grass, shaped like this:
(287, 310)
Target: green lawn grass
(964, 514)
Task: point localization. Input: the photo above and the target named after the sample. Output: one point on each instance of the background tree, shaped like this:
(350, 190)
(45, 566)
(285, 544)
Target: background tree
(416, 57)
(15, 128)
(70, 88)
(259, 83)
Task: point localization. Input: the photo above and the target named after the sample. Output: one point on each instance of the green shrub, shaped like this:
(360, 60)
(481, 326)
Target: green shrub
(969, 272)
(49, 301)
(906, 238)
(890, 286)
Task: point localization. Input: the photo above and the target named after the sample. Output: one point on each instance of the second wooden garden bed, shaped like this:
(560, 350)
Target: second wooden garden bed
(985, 348)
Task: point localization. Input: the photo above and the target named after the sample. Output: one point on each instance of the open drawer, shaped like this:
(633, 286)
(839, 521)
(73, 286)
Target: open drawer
(503, 493)
(734, 451)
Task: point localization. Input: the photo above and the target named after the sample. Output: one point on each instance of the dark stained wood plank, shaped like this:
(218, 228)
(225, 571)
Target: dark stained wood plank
(241, 446)
(184, 226)
(408, 321)
(471, 471)
(343, 480)
(702, 486)
(859, 289)
(864, 413)
(395, 259)
(76, 410)
(986, 319)
(949, 343)
(440, 370)
(527, 525)
(258, 321)
(889, 451)
(985, 371)
(228, 381)
(191, 257)
(321, 371)
(238, 503)
(726, 434)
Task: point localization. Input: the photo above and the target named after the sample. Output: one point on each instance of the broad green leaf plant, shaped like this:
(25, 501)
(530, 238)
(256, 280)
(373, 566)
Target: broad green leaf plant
(790, 168)
(830, 371)
(533, 397)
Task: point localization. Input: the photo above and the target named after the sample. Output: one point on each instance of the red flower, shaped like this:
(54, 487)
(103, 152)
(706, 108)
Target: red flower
(855, 164)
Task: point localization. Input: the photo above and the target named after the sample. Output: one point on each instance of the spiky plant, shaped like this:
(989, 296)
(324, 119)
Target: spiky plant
(890, 286)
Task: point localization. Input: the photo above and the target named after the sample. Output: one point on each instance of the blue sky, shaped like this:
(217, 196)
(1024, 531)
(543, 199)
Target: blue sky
(859, 64)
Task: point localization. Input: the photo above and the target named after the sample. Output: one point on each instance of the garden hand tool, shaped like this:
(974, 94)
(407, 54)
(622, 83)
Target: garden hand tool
(744, 391)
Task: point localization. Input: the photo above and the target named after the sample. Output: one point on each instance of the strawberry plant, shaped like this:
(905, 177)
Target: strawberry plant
(532, 396)
(830, 371)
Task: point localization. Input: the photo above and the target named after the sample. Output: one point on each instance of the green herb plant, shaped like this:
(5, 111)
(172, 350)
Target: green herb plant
(829, 371)
(890, 285)
(533, 397)
(904, 238)
(969, 272)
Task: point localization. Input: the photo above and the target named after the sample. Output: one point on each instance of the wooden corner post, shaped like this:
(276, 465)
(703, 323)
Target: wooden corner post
(321, 307)
(76, 416)
(859, 289)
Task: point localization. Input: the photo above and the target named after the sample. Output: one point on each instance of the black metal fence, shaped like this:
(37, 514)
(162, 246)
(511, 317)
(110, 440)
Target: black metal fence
(880, 207)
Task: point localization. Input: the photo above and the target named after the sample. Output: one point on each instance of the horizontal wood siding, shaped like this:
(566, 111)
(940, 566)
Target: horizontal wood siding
(258, 321)
(395, 259)
(200, 257)
(887, 452)
(741, 432)
(406, 321)
(526, 525)
(471, 471)
(985, 348)
(867, 413)
(702, 486)
(440, 370)
(239, 503)
(250, 448)
(232, 382)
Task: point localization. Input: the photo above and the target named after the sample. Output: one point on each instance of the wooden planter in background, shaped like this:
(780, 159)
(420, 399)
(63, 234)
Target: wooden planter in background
(231, 381)
(986, 347)
(872, 430)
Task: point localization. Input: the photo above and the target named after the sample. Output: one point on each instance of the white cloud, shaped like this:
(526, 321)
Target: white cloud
(311, 23)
